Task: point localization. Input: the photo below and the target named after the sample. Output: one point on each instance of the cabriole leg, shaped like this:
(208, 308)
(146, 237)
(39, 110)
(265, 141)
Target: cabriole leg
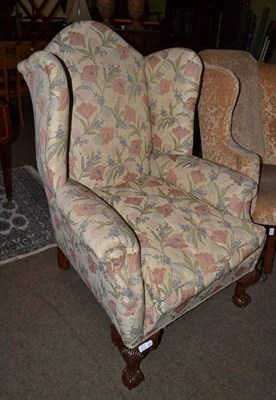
(62, 260)
(269, 251)
(132, 376)
(241, 298)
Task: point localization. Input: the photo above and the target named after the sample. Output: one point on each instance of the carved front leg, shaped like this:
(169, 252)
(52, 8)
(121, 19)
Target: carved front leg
(132, 376)
(63, 261)
(240, 298)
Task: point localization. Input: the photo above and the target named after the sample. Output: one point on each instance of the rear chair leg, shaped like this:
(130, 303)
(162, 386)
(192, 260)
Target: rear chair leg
(240, 298)
(62, 260)
(132, 376)
(269, 251)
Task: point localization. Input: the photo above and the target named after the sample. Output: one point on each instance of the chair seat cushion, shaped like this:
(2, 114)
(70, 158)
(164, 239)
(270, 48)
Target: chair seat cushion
(265, 211)
(189, 249)
(162, 215)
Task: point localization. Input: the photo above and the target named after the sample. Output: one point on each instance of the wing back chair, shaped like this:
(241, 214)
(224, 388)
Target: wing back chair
(152, 230)
(247, 143)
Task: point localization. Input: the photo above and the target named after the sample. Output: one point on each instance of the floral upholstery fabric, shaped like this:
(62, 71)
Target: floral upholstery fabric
(172, 84)
(109, 100)
(152, 230)
(209, 182)
(48, 87)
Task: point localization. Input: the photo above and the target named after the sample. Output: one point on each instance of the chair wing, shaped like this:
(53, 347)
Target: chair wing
(246, 123)
(173, 78)
(253, 127)
(218, 97)
(267, 85)
(49, 90)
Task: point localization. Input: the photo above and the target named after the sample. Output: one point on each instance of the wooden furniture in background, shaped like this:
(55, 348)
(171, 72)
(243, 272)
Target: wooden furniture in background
(4, 88)
(12, 84)
(40, 18)
(6, 10)
(5, 146)
(24, 50)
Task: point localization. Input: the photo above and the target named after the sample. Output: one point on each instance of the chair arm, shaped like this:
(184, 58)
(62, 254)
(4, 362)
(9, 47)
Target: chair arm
(212, 183)
(48, 87)
(235, 157)
(114, 249)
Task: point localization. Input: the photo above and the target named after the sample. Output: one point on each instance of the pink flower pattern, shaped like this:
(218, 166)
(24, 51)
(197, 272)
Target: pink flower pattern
(64, 100)
(153, 61)
(107, 134)
(119, 85)
(130, 114)
(76, 38)
(86, 109)
(97, 172)
(123, 51)
(90, 73)
(219, 236)
(135, 147)
(180, 132)
(165, 86)
(84, 209)
(165, 210)
(198, 176)
(176, 241)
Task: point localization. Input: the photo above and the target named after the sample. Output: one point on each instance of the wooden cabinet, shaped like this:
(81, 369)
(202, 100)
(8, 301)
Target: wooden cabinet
(201, 24)
(192, 23)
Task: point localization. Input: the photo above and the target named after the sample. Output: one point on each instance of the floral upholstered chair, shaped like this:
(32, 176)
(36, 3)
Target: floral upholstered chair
(152, 230)
(245, 138)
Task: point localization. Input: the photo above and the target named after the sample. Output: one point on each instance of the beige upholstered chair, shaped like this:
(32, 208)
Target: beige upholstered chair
(152, 230)
(243, 137)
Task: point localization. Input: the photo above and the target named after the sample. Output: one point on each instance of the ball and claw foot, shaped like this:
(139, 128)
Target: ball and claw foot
(132, 375)
(240, 298)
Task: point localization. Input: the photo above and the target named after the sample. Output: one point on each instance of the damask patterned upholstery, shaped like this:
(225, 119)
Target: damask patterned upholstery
(218, 98)
(243, 137)
(152, 230)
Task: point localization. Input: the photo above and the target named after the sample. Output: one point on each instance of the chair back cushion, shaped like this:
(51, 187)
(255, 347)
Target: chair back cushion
(246, 125)
(110, 139)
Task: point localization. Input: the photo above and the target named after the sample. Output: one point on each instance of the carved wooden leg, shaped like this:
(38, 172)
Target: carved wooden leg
(63, 261)
(132, 376)
(240, 298)
(269, 250)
